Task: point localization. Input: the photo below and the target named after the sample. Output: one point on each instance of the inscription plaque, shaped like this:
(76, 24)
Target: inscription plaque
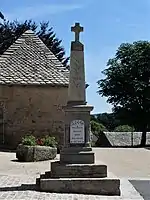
(77, 133)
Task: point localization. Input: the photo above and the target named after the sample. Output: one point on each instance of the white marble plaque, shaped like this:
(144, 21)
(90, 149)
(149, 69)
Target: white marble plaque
(77, 134)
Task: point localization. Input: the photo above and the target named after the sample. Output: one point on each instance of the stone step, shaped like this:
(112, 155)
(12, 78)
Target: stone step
(42, 176)
(37, 181)
(82, 157)
(38, 184)
(48, 174)
(59, 170)
(99, 186)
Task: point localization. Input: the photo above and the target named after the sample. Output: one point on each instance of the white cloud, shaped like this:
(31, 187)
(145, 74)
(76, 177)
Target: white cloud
(39, 11)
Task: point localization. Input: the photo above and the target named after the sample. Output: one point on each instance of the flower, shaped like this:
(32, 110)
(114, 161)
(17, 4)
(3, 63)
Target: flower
(39, 141)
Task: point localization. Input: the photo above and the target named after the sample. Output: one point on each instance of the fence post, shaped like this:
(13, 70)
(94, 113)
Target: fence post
(132, 138)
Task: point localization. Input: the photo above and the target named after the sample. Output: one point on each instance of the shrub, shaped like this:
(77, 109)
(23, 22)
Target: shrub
(49, 141)
(97, 127)
(124, 128)
(29, 140)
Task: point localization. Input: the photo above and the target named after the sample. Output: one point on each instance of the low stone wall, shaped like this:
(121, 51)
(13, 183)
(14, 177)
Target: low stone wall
(35, 153)
(123, 139)
(126, 138)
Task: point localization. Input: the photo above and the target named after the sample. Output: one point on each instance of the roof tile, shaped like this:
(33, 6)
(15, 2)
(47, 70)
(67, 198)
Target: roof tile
(29, 61)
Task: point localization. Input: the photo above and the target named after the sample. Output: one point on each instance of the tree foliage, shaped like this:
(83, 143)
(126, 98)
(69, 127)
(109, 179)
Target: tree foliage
(10, 31)
(97, 127)
(109, 120)
(2, 16)
(127, 84)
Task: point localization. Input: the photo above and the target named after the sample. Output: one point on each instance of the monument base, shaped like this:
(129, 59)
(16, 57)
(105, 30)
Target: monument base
(97, 186)
(78, 178)
(77, 155)
(60, 170)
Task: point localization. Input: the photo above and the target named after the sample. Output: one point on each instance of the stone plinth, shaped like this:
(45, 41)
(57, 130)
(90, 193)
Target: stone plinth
(78, 170)
(77, 155)
(81, 113)
(78, 178)
(98, 186)
(73, 152)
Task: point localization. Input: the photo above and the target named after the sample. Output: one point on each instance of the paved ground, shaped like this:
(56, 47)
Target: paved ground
(131, 164)
(17, 180)
(127, 163)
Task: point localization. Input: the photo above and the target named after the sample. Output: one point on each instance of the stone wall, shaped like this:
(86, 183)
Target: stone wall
(124, 139)
(31, 109)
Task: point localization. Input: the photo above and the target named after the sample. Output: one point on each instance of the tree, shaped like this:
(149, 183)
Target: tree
(2, 16)
(10, 31)
(108, 120)
(124, 128)
(96, 127)
(127, 84)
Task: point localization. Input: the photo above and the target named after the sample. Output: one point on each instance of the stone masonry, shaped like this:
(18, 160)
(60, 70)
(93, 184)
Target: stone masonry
(31, 109)
(33, 90)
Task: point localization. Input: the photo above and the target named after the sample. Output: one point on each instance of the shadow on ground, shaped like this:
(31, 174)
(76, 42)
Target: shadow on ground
(7, 150)
(23, 187)
(147, 148)
(18, 161)
(103, 141)
(143, 187)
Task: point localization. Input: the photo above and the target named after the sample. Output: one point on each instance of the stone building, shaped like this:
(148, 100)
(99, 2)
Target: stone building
(33, 89)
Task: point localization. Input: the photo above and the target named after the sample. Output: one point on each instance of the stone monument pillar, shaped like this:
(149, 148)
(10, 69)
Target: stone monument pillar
(76, 90)
(77, 113)
(77, 171)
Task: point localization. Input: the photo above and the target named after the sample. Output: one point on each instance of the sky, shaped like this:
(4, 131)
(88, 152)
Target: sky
(107, 24)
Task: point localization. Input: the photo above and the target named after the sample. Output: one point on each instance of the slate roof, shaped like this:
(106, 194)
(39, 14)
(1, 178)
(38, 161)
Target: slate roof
(29, 62)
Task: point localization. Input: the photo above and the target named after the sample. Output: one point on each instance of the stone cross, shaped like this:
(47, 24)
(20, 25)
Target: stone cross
(77, 29)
